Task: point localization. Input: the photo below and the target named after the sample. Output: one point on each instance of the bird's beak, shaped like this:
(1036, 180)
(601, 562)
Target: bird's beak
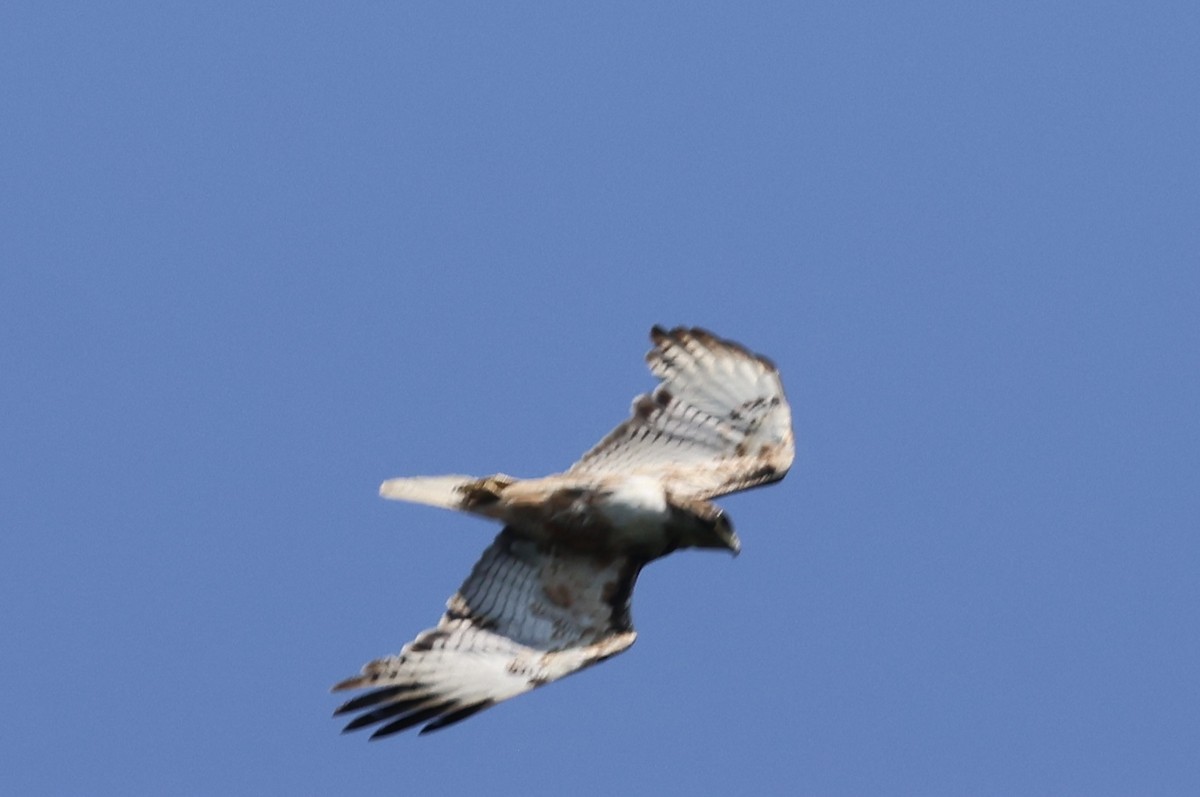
(733, 543)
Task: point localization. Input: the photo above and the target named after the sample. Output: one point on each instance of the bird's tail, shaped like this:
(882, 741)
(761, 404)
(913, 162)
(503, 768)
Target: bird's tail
(466, 493)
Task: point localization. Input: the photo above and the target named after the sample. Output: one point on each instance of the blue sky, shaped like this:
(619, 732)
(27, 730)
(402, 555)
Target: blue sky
(256, 260)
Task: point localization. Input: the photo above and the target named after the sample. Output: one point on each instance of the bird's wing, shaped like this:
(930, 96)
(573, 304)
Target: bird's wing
(718, 421)
(527, 615)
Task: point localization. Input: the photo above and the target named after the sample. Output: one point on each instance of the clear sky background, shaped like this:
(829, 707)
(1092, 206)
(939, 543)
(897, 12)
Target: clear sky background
(255, 260)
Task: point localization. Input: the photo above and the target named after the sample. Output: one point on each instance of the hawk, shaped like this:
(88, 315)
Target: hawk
(551, 595)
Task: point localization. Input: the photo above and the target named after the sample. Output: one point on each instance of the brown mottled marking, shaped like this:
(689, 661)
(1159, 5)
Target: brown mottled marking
(587, 538)
(761, 474)
(484, 491)
(560, 595)
(602, 559)
(428, 640)
(644, 406)
(609, 591)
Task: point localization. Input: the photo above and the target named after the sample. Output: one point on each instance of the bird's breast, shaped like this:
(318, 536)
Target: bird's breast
(636, 509)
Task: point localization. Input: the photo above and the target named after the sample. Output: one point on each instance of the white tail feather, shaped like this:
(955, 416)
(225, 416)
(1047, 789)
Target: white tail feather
(442, 491)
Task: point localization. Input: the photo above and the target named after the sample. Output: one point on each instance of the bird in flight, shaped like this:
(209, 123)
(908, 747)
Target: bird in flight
(551, 595)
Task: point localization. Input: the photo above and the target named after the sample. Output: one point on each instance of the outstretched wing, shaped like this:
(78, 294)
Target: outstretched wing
(527, 615)
(718, 422)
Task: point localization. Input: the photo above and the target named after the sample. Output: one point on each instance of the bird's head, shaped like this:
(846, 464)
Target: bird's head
(701, 524)
(715, 529)
(725, 535)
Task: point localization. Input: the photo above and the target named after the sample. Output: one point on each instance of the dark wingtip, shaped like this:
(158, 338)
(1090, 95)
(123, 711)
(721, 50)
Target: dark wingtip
(405, 714)
(372, 698)
(390, 710)
(415, 718)
(458, 715)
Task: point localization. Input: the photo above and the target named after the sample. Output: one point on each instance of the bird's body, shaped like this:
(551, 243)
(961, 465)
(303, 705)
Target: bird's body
(551, 595)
